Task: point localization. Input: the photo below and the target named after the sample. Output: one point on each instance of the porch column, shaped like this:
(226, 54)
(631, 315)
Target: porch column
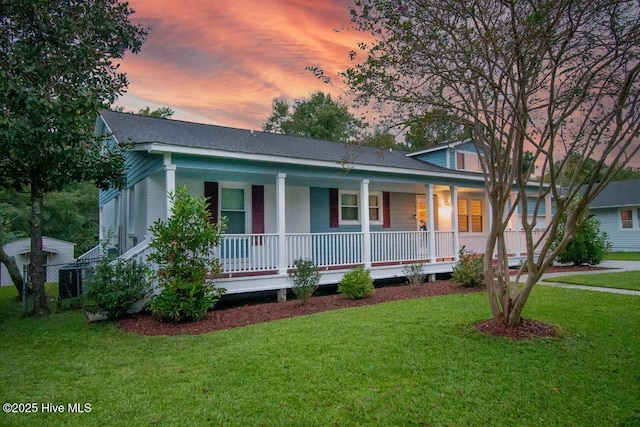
(281, 223)
(364, 220)
(431, 227)
(516, 225)
(454, 221)
(547, 209)
(170, 185)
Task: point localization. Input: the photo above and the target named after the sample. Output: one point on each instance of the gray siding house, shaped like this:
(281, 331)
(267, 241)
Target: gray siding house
(618, 209)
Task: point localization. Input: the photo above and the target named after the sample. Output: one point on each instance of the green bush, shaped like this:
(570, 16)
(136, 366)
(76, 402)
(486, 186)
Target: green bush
(415, 274)
(469, 272)
(182, 246)
(304, 279)
(356, 284)
(588, 245)
(184, 301)
(117, 284)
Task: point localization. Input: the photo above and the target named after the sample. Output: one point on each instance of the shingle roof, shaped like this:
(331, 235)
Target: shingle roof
(142, 130)
(619, 193)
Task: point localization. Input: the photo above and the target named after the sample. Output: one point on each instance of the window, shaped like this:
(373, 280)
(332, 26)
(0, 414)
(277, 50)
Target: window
(375, 208)
(232, 206)
(470, 216)
(350, 207)
(459, 160)
(626, 215)
(349, 211)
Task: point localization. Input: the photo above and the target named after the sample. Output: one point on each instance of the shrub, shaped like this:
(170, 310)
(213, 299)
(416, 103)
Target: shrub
(588, 245)
(356, 284)
(469, 271)
(117, 284)
(183, 246)
(304, 279)
(415, 274)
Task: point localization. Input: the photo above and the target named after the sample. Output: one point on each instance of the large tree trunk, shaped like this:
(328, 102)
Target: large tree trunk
(12, 268)
(36, 265)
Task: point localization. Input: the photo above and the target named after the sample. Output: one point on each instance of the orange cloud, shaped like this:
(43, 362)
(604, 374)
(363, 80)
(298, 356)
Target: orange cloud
(224, 62)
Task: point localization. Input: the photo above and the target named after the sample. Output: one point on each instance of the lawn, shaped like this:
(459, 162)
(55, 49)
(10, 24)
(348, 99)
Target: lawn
(623, 256)
(622, 280)
(414, 362)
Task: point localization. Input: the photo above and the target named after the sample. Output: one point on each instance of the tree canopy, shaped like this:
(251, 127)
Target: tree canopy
(433, 128)
(160, 112)
(551, 77)
(57, 70)
(318, 117)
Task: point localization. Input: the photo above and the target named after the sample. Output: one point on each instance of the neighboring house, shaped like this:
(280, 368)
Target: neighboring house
(618, 209)
(288, 197)
(57, 254)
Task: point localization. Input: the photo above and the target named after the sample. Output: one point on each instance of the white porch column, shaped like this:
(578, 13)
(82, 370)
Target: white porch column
(281, 223)
(431, 227)
(454, 221)
(170, 181)
(364, 220)
(516, 225)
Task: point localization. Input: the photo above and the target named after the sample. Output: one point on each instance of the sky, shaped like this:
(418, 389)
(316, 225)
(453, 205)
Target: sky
(224, 62)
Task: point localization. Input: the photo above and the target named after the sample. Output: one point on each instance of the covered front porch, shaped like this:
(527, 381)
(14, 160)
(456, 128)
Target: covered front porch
(281, 213)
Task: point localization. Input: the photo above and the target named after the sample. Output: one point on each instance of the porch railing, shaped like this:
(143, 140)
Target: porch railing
(516, 240)
(325, 249)
(248, 252)
(256, 253)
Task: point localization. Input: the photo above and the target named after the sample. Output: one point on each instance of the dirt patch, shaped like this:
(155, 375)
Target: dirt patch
(249, 314)
(526, 329)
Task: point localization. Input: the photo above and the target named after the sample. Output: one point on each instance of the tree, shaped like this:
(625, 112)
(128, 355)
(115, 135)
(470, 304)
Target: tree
(318, 117)
(57, 71)
(553, 77)
(381, 140)
(434, 127)
(160, 112)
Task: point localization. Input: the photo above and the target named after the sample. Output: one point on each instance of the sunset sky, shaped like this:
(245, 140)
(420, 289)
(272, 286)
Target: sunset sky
(224, 62)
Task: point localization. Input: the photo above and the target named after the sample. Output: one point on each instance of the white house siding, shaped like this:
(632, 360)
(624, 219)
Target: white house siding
(622, 240)
(58, 253)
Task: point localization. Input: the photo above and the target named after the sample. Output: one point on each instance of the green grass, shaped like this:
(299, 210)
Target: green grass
(623, 256)
(413, 362)
(623, 280)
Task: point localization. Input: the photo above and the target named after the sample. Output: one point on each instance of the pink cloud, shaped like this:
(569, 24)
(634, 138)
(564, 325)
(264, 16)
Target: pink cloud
(226, 61)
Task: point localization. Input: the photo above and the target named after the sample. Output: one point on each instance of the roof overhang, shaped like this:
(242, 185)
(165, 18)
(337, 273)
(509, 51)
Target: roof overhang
(161, 148)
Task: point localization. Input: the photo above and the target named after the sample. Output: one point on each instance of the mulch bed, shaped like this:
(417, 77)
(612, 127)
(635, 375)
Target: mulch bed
(146, 324)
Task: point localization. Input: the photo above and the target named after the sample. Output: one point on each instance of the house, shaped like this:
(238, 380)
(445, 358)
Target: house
(288, 197)
(617, 208)
(57, 254)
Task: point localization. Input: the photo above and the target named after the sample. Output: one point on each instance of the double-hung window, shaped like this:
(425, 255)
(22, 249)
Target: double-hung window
(233, 207)
(349, 208)
(626, 217)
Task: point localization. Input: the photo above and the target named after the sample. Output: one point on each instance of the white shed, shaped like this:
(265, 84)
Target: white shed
(57, 252)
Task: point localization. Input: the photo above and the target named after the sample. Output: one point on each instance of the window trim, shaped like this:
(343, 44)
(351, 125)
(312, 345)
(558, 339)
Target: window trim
(246, 202)
(461, 155)
(622, 221)
(380, 207)
(469, 217)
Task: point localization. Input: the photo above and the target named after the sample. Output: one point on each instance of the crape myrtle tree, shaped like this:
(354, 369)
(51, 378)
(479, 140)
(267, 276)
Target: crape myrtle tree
(57, 70)
(553, 77)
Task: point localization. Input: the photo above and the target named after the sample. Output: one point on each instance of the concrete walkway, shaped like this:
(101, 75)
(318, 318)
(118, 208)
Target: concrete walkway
(614, 266)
